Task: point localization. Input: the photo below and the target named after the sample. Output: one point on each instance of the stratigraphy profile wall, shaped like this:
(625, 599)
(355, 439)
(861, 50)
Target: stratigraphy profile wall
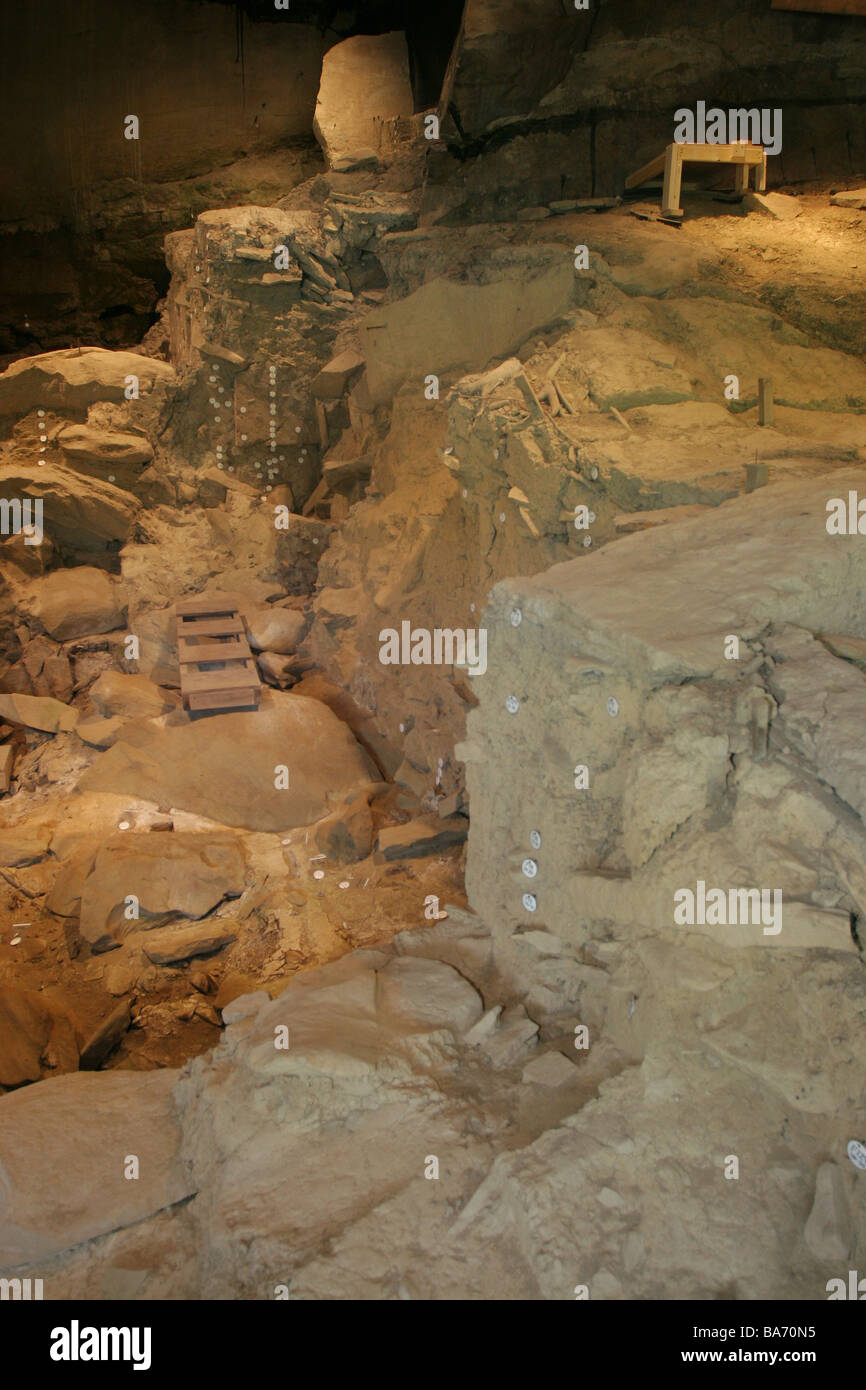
(204, 89)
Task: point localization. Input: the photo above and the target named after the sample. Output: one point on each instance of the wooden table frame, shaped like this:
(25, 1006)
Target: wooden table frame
(743, 156)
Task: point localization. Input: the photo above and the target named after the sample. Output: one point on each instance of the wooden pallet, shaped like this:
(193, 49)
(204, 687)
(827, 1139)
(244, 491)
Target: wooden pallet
(743, 157)
(217, 670)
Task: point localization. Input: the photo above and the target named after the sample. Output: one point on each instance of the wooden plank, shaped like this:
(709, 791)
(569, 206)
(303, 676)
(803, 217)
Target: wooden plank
(648, 171)
(193, 681)
(765, 400)
(225, 699)
(319, 493)
(741, 153)
(849, 7)
(741, 178)
(232, 649)
(216, 603)
(673, 181)
(209, 627)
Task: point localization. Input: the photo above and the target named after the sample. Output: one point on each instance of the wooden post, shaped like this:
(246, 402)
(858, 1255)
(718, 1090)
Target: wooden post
(765, 400)
(756, 476)
(741, 178)
(761, 174)
(673, 181)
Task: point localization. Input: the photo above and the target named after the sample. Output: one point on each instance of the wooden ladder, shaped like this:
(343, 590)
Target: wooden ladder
(217, 670)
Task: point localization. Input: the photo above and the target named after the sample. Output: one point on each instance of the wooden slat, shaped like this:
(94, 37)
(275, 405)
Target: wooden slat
(232, 649)
(648, 171)
(225, 699)
(237, 674)
(722, 154)
(851, 7)
(216, 603)
(210, 627)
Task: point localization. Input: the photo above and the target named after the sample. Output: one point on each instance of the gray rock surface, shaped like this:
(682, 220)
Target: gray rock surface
(65, 1151)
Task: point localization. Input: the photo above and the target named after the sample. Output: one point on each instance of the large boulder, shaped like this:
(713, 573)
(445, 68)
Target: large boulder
(112, 454)
(77, 513)
(226, 766)
(65, 1149)
(134, 697)
(78, 602)
(74, 378)
(145, 880)
(272, 629)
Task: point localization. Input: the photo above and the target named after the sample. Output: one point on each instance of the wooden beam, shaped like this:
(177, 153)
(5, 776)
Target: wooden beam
(739, 153)
(648, 171)
(765, 400)
(232, 649)
(673, 181)
(851, 7)
(210, 627)
(238, 675)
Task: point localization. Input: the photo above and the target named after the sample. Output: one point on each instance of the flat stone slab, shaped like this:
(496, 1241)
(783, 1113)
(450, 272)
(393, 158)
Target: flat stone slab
(38, 712)
(165, 947)
(850, 198)
(181, 874)
(64, 1148)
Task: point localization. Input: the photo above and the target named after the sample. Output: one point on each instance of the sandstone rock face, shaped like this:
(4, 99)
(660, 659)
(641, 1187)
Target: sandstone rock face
(446, 325)
(63, 1148)
(71, 380)
(78, 602)
(140, 881)
(426, 994)
(22, 844)
(83, 515)
(112, 454)
(225, 766)
(365, 80)
(523, 67)
(663, 754)
(34, 1036)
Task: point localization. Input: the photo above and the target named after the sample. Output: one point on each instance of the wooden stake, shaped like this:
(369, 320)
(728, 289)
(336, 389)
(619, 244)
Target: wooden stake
(765, 400)
(673, 181)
